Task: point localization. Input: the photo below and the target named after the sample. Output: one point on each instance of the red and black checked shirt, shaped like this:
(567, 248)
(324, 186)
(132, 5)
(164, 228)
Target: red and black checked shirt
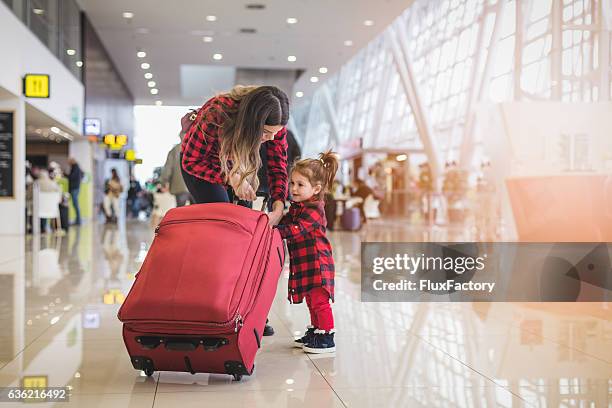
(311, 264)
(201, 148)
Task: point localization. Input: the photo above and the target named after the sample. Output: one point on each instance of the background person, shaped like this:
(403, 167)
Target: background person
(74, 187)
(171, 175)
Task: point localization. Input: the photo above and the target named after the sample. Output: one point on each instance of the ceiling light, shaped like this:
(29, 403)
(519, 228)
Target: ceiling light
(79, 64)
(348, 43)
(54, 129)
(151, 84)
(70, 51)
(145, 65)
(141, 54)
(128, 14)
(323, 70)
(368, 23)
(159, 103)
(218, 57)
(211, 18)
(154, 91)
(401, 157)
(314, 79)
(38, 11)
(148, 75)
(292, 20)
(299, 94)
(291, 58)
(207, 39)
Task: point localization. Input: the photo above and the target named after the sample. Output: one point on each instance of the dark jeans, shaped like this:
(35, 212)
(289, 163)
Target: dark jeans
(204, 192)
(74, 195)
(182, 198)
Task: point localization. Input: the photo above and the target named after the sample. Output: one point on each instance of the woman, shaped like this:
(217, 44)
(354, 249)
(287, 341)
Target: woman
(220, 151)
(111, 198)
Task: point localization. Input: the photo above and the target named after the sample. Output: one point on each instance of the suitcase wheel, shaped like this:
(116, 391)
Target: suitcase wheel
(149, 372)
(237, 377)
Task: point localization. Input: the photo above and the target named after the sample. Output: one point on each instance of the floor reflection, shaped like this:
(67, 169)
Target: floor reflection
(59, 297)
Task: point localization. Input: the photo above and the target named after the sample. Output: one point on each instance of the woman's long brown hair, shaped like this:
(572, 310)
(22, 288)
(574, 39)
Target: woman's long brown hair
(244, 126)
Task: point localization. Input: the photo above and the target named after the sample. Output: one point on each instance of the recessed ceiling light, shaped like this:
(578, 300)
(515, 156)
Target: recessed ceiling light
(211, 18)
(314, 79)
(154, 91)
(159, 103)
(70, 51)
(54, 129)
(218, 57)
(291, 58)
(38, 11)
(323, 70)
(79, 64)
(151, 84)
(148, 75)
(292, 20)
(141, 54)
(348, 43)
(128, 14)
(368, 23)
(299, 94)
(255, 6)
(207, 39)
(145, 65)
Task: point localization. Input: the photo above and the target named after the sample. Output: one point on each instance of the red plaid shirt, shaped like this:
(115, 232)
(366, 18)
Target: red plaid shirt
(311, 263)
(201, 148)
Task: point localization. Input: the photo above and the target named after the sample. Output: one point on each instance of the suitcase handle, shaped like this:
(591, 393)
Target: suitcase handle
(182, 343)
(263, 194)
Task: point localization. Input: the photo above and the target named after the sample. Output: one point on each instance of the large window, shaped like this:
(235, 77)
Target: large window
(457, 54)
(57, 24)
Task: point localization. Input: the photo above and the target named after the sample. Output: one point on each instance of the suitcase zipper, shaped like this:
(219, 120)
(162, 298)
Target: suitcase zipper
(163, 224)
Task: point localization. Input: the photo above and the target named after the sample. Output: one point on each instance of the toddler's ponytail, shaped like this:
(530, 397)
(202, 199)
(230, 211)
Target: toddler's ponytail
(329, 161)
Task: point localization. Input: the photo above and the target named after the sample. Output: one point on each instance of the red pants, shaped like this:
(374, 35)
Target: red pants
(321, 316)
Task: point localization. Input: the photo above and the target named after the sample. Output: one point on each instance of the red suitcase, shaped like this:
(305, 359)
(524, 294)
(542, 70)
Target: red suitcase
(202, 295)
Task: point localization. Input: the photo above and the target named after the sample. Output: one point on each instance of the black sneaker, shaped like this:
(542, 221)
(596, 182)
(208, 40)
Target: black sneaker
(321, 342)
(268, 330)
(299, 343)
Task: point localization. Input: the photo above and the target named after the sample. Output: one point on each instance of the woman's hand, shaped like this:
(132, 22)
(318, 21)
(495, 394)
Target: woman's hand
(277, 213)
(243, 191)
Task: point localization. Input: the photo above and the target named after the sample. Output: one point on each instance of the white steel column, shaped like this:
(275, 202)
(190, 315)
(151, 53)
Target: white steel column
(402, 62)
(480, 87)
(605, 31)
(556, 18)
(381, 103)
(332, 116)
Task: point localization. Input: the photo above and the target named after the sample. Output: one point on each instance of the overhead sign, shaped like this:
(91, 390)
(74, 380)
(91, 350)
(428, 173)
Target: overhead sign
(36, 86)
(130, 155)
(115, 142)
(92, 126)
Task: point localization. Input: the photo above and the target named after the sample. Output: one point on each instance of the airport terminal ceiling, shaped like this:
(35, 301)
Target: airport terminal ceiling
(173, 34)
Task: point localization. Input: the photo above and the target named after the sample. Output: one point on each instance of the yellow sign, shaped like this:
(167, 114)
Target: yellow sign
(112, 297)
(130, 155)
(109, 139)
(138, 161)
(35, 381)
(36, 86)
(121, 140)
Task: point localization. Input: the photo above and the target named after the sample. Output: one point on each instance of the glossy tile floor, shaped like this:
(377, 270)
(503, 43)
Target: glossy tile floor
(59, 298)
